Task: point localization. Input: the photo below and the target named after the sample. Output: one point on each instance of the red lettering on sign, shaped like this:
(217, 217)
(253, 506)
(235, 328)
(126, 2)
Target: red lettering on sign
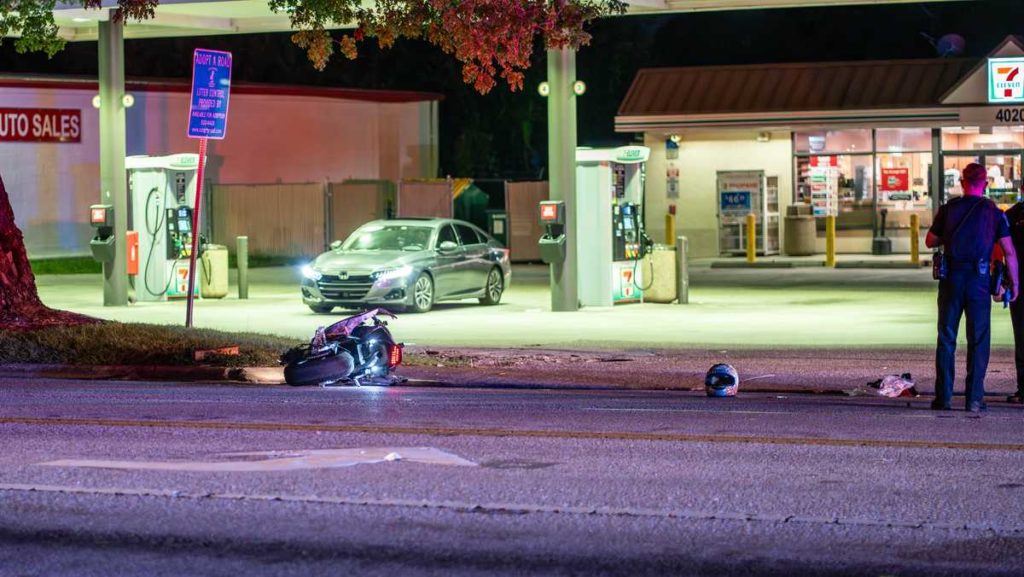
(40, 125)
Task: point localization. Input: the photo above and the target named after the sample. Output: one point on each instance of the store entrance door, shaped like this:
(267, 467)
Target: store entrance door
(1004, 173)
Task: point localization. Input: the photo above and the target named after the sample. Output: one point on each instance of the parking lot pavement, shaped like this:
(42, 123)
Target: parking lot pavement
(804, 307)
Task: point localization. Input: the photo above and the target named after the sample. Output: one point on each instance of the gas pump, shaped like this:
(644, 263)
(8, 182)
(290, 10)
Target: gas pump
(610, 224)
(161, 190)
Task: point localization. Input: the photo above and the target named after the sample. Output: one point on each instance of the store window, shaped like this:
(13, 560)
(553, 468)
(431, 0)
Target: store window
(903, 188)
(833, 142)
(903, 140)
(971, 138)
(1004, 174)
(843, 181)
(869, 172)
(999, 150)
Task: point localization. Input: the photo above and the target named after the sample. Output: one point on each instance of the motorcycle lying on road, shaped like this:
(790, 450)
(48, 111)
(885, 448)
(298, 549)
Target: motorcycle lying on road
(357, 350)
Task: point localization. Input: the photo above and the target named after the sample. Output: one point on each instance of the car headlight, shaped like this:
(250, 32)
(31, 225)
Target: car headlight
(311, 273)
(391, 273)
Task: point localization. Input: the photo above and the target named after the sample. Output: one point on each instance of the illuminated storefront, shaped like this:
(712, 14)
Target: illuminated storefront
(865, 141)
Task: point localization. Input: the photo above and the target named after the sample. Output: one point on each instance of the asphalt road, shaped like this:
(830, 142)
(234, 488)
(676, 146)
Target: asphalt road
(162, 479)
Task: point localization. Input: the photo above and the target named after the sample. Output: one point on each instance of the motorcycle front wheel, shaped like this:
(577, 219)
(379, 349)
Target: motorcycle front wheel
(318, 371)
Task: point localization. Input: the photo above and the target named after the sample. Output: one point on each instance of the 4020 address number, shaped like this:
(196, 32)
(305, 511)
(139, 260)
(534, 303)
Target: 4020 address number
(1010, 115)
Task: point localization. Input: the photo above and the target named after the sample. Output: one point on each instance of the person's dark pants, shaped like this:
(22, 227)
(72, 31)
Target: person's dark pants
(1017, 318)
(965, 290)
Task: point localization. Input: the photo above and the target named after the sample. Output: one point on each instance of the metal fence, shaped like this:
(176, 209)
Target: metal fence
(295, 220)
(301, 220)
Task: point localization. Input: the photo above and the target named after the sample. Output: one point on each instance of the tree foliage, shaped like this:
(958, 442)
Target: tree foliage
(33, 21)
(491, 39)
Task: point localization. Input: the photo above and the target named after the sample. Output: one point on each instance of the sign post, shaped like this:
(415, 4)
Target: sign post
(207, 118)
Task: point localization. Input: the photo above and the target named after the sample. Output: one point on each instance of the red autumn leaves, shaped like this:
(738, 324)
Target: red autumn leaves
(493, 39)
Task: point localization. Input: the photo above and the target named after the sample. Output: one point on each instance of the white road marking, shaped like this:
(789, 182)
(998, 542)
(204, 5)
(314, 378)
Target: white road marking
(282, 460)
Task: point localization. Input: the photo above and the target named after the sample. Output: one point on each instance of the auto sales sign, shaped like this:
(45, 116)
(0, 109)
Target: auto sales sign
(1006, 80)
(40, 125)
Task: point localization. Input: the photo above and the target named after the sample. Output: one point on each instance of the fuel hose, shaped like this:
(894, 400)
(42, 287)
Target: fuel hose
(153, 229)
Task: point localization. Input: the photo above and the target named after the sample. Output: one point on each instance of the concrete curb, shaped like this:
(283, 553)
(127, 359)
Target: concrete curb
(418, 376)
(269, 376)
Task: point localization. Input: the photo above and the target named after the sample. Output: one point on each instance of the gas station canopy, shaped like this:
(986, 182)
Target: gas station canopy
(203, 17)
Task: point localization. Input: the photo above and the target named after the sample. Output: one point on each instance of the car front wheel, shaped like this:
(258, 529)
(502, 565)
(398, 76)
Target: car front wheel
(422, 294)
(494, 288)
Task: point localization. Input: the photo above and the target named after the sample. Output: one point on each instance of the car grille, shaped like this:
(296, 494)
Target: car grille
(354, 287)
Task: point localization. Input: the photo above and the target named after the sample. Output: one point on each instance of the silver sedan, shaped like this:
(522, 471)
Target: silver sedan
(408, 264)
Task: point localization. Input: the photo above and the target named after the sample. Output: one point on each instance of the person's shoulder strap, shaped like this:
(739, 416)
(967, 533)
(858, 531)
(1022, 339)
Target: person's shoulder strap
(967, 217)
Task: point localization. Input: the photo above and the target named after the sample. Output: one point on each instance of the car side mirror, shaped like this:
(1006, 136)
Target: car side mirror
(336, 245)
(447, 246)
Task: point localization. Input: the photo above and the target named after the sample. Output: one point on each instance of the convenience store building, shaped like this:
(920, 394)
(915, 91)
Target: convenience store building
(855, 139)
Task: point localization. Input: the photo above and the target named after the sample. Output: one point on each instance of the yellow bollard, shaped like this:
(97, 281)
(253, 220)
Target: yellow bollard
(751, 238)
(915, 240)
(830, 241)
(670, 228)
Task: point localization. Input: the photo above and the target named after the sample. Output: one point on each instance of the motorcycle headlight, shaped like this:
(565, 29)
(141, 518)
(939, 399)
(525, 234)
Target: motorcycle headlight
(391, 273)
(311, 273)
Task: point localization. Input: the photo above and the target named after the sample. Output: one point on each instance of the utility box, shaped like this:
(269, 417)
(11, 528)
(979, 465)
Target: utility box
(213, 272)
(102, 248)
(552, 249)
(660, 269)
(497, 225)
(102, 245)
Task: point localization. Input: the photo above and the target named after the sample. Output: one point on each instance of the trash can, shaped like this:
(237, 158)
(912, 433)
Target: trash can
(213, 272)
(497, 225)
(799, 231)
(102, 248)
(659, 274)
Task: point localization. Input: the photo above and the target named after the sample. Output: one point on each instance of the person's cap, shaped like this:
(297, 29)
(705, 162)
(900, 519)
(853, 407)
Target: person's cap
(974, 173)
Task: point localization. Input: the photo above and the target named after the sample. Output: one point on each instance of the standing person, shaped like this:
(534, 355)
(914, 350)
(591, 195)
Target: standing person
(1016, 218)
(967, 228)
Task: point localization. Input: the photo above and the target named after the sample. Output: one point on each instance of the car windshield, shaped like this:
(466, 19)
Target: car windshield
(389, 237)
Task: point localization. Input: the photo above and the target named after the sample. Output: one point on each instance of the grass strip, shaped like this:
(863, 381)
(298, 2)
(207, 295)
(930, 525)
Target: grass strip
(137, 344)
(65, 265)
(86, 265)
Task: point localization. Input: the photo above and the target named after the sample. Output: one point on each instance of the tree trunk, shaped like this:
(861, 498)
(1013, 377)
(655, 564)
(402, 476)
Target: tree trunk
(20, 307)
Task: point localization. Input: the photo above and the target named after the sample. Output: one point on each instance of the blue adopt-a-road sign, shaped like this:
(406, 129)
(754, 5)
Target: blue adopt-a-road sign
(211, 86)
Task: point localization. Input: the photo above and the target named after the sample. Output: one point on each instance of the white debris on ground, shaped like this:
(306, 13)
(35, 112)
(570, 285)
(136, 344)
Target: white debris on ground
(891, 386)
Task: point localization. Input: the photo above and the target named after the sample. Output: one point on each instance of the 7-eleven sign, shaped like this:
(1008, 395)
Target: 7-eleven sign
(1006, 79)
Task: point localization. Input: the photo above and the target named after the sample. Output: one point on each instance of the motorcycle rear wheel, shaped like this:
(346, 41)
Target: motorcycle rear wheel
(318, 371)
